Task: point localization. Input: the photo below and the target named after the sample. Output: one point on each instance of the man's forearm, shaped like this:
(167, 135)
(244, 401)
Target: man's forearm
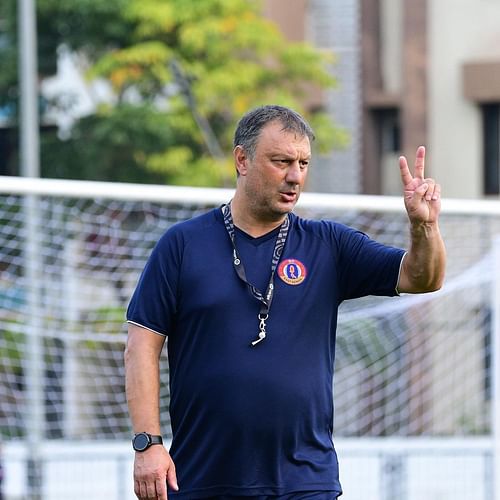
(153, 468)
(142, 385)
(424, 265)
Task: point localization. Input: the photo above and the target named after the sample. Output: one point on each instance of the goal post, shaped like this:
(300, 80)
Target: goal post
(411, 369)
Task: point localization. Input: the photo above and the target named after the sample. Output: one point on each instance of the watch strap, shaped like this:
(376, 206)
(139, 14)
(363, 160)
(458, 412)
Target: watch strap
(155, 439)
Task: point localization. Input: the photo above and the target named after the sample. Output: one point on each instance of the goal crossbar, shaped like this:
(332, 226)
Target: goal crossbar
(186, 194)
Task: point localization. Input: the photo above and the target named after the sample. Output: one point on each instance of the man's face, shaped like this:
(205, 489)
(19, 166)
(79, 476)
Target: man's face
(273, 179)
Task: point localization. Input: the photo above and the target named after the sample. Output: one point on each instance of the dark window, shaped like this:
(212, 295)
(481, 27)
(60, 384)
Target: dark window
(491, 148)
(8, 150)
(389, 130)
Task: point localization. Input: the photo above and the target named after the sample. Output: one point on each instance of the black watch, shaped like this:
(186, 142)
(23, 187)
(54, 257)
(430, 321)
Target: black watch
(142, 441)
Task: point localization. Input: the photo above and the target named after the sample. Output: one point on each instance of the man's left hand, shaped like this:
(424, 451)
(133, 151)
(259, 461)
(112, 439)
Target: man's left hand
(422, 196)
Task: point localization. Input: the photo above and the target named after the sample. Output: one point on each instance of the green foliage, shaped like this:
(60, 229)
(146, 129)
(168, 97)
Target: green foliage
(111, 144)
(165, 61)
(105, 320)
(12, 347)
(91, 26)
(8, 54)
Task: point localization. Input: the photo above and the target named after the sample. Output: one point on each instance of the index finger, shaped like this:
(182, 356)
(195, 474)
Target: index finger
(420, 162)
(406, 176)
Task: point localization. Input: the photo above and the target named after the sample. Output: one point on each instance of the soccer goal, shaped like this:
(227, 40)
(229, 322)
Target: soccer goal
(417, 407)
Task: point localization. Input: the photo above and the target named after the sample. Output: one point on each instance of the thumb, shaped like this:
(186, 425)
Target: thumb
(172, 477)
(422, 189)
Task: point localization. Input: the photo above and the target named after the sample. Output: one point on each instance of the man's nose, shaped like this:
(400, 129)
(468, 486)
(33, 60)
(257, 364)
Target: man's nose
(294, 174)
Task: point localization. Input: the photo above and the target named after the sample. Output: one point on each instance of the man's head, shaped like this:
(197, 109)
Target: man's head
(272, 154)
(250, 126)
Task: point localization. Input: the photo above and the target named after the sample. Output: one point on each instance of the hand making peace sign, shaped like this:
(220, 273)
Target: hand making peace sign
(422, 196)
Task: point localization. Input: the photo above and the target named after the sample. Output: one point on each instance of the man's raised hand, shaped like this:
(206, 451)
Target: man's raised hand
(422, 196)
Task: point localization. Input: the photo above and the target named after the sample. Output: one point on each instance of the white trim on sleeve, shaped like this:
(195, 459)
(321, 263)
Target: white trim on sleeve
(146, 327)
(399, 273)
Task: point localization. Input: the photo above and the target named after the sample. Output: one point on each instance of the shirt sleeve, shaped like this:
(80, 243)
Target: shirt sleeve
(154, 302)
(366, 267)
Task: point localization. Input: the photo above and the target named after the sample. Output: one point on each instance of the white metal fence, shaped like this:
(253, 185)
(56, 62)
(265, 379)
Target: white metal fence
(371, 469)
(417, 377)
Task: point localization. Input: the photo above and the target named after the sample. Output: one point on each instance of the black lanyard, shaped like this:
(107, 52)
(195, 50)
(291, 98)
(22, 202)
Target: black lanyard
(267, 298)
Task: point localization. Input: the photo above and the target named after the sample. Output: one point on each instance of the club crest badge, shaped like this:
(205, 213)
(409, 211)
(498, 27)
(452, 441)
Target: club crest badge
(292, 271)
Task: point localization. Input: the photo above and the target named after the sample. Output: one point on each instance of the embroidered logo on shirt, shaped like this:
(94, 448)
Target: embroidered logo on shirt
(292, 271)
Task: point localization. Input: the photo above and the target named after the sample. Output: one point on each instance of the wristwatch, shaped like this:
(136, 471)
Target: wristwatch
(142, 441)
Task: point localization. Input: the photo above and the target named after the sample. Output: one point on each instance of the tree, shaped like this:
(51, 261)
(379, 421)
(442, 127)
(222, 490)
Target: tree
(180, 73)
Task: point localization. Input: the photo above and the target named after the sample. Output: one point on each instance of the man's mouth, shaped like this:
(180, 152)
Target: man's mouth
(289, 196)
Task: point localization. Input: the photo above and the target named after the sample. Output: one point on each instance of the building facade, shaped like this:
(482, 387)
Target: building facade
(410, 72)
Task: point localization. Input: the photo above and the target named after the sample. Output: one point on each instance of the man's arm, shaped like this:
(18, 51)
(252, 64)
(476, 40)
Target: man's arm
(154, 467)
(423, 267)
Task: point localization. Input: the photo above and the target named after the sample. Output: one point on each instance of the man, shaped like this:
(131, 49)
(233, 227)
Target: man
(247, 296)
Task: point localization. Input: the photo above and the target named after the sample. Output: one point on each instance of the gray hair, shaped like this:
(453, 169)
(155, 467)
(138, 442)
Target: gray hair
(249, 127)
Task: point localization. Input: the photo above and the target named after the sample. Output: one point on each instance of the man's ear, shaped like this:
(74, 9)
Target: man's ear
(240, 160)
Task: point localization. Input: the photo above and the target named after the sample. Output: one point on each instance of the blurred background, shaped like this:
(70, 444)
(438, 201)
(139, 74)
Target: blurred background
(129, 90)
(116, 121)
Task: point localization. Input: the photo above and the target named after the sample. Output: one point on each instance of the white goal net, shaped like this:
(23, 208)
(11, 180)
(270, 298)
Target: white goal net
(70, 256)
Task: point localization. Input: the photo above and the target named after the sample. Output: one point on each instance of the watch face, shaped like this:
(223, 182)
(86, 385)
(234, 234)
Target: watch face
(141, 441)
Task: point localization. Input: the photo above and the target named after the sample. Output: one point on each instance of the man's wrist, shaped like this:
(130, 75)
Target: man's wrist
(424, 228)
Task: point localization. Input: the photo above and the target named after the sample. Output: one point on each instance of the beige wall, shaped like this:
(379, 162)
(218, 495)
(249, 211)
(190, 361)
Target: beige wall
(460, 31)
(391, 45)
(290, 19)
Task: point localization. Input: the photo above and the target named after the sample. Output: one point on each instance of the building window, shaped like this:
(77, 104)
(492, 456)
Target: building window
(491, 148)
(389, 147)
(390, 133)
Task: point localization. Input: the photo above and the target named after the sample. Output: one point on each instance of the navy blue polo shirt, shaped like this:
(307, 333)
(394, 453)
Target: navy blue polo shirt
(255, 420)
